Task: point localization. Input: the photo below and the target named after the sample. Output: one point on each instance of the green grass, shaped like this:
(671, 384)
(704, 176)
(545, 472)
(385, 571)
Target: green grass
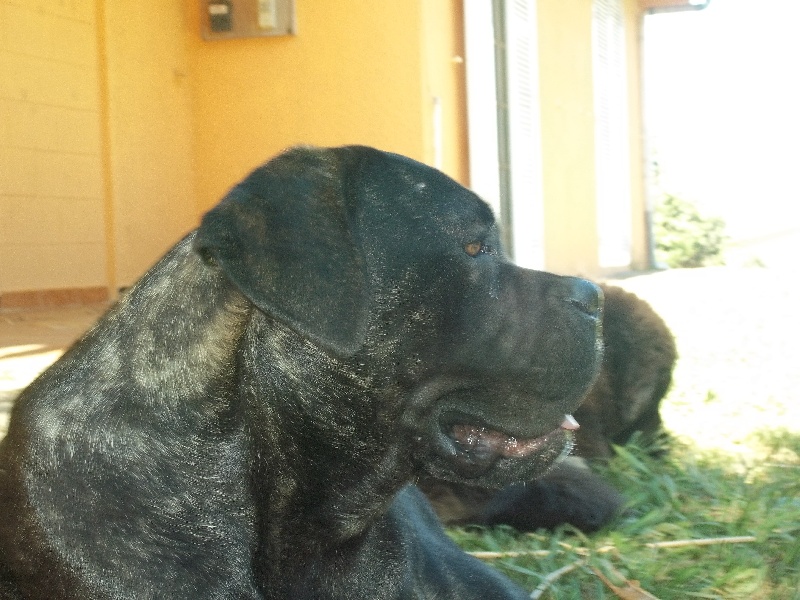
(686, 495)
(732, 467)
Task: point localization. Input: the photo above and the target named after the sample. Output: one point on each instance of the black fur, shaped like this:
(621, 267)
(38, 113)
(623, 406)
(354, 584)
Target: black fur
(244, 423)
(625, 399)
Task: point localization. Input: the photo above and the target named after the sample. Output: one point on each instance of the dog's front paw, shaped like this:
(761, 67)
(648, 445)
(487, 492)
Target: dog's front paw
(570, 494)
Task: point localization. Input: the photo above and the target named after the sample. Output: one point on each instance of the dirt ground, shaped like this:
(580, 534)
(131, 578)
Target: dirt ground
(737, 332)
(32, 339)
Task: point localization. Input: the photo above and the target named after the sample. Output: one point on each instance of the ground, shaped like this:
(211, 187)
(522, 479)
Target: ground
(737, 333)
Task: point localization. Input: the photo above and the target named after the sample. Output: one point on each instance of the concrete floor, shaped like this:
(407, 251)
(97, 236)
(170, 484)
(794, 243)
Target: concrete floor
(32, 339)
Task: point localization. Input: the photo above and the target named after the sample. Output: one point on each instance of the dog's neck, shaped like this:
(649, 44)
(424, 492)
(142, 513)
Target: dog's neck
(321, 461)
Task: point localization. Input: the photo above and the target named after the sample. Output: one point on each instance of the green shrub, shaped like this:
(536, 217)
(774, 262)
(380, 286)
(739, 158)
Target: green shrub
(684, 237)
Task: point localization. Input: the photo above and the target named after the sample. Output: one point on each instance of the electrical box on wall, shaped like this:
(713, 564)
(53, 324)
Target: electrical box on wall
(226, 19)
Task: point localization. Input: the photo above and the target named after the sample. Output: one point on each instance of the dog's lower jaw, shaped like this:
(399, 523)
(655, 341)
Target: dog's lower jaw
(313, 492)
(335, 492)
(303, 521)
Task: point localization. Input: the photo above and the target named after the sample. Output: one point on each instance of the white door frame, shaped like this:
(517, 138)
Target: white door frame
(505, 135)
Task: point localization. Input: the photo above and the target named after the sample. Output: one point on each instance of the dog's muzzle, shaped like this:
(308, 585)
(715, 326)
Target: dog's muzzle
(508, 417)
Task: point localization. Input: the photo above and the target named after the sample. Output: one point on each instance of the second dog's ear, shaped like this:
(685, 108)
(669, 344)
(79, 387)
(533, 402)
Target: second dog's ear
(283, 236)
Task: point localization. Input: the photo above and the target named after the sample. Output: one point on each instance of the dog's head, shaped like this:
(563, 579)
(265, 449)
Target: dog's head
(396, 273)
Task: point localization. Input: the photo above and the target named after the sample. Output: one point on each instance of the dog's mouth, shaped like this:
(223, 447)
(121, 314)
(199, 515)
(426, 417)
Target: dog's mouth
(482, 441)
(475, 448)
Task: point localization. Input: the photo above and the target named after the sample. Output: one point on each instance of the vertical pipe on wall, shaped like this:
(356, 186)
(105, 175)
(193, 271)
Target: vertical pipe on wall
(438, 134)
(105, 149)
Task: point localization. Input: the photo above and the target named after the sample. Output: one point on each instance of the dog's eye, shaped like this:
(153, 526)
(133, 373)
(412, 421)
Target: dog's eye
(475, 248)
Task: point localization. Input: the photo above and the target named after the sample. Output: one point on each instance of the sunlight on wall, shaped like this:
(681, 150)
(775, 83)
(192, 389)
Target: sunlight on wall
(52, 230)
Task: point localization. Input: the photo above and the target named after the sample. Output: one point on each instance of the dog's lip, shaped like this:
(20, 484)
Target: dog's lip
(483, 440)
(473, 448)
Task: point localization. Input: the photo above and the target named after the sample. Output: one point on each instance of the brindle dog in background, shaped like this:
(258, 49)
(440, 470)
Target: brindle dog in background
(244, 423)
(635, 375)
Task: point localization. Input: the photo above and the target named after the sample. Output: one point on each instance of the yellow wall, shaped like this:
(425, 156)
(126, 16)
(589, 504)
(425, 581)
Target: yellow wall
(565, 67)
(444, 78)
(354, 74)
(52, 227)
(119, 125)
(149, 138)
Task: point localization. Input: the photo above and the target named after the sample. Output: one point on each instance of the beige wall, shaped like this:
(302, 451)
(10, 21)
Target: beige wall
(568, 149)
(357, 72)
(52, 219)
(568, 144)
(633, 32)
(150, 152)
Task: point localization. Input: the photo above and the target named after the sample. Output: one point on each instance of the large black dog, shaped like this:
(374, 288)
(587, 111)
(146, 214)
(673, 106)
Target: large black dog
(245, 421)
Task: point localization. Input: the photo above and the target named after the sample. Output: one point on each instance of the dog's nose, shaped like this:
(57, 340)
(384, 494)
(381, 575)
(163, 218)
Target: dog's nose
(585, 296)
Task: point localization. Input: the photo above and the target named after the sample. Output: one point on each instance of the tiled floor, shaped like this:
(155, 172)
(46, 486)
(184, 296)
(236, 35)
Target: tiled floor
(30, 340)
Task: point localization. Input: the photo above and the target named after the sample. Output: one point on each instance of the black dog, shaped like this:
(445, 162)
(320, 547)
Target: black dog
(625, 399)
(244, 423)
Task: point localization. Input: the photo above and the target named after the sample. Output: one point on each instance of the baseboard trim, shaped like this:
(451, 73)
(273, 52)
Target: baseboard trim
(54, 297)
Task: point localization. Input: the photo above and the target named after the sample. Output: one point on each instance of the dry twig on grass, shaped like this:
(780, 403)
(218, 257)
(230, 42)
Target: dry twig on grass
(630, 589)
(552, 577)
(488, 555)
(740, 539)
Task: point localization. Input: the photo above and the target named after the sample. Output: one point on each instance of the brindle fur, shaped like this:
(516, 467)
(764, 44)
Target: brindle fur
(245, 422)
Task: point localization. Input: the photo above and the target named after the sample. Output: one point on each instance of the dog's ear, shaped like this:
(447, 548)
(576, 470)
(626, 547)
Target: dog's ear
(283, 236)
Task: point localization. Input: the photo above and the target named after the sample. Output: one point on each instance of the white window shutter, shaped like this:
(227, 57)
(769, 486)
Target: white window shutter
(611, 135)
(524, 133)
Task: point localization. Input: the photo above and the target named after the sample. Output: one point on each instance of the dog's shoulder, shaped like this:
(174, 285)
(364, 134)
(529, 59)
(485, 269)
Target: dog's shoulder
(634, 331)
(134, 411)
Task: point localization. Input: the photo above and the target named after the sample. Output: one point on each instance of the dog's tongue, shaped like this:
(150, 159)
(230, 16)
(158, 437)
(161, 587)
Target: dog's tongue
(482, 440)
